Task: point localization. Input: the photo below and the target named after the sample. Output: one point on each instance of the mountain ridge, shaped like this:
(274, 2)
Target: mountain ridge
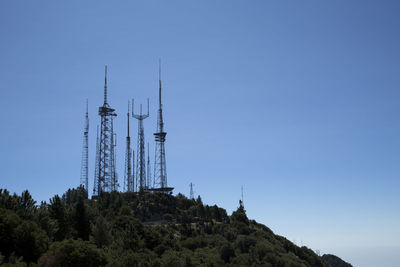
(138, 229)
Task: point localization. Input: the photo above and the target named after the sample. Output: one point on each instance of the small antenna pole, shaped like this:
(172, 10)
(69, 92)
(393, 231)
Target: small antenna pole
(242, 197)
(105, 85)
(191, 191)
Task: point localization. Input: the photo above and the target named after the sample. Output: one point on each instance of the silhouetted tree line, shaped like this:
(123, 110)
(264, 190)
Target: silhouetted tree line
(144, 229)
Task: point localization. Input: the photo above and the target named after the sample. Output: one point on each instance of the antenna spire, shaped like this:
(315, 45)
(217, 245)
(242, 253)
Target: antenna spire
(191, 191)
(242, 200)
(105, 85)
(160, 170)
(159, 82)
(128, 116)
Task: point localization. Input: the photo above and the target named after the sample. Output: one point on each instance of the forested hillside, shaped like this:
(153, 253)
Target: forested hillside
(144, 229)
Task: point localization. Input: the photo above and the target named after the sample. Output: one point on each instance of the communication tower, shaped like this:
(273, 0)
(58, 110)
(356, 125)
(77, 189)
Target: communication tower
(128, 181)
(96, 167)
(140, 157)
(85, 152)
(160, 168)
(148, 182)
(106, 179)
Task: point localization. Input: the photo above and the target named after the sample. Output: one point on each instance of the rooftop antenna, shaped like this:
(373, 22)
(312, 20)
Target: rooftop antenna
(84, 181)
(140, 158)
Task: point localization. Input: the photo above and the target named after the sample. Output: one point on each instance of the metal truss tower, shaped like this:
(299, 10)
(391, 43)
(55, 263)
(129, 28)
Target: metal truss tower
(85, 152)
(106, 180)
(114, 176)
(96, 167)
(148, 182)
(140, 158)
(128, 179)
(160, 168)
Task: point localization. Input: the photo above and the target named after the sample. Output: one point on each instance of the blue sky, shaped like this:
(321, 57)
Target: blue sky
(297, 101)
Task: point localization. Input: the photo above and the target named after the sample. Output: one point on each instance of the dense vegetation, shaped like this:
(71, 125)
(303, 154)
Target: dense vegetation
(335, 261)
(129, 229)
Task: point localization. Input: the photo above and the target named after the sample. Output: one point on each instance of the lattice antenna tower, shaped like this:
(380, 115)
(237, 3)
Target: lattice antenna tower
(133, 170)
(148, 182)
(114, 176)
(85, 152)
(191, 191)
(106, 179)
(128, 179)
(140, 157)
(96, 167)
(160, 168)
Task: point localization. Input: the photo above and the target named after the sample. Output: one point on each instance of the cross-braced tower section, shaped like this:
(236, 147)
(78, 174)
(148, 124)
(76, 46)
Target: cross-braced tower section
(96, 167)
(160, 167)
(106, 179)
(148, 182)
(128, 181)
(140, 157)
(85, 152)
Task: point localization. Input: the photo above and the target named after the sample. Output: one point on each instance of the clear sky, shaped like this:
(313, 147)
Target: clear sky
(298, 101)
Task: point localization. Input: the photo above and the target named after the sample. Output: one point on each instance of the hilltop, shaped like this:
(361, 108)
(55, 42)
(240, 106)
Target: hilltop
(137, 229)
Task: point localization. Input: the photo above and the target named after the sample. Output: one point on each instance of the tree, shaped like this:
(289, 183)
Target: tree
(9, 221)
(101, 232)
(21, 238)
(45, 222)
(227, 252)
(81, 220)
(31, 241)
(71, 252)
(58, 212)
(73, 195)
(26, 205)
(240, 215)
(7, 201)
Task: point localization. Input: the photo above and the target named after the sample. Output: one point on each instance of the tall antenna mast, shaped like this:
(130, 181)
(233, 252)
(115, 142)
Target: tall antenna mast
(128, 181)
(160, 168)
(96, 167)
(85, 152)
(148, 183)
(105, 86)
(191, 191)
(140, 158)
(242, 200)
(106, 180)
